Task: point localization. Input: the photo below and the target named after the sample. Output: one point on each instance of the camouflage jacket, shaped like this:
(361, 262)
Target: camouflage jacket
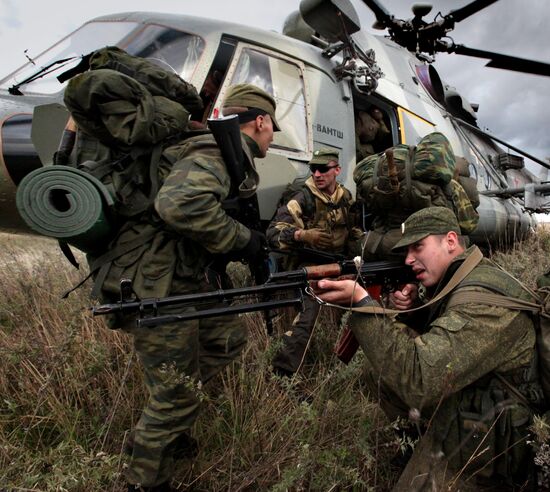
(188, 225)
(329, 213)
(446, 369)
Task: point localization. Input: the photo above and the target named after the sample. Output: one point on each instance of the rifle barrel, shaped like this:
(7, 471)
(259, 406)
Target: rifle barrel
(186, 300)
(223, 311)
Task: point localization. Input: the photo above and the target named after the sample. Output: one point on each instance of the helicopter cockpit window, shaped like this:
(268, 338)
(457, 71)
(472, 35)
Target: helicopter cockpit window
(169, 48)
(284, 80)
(174, 50)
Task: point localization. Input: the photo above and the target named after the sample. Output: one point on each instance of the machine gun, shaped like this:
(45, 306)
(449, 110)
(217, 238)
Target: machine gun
(282, 289)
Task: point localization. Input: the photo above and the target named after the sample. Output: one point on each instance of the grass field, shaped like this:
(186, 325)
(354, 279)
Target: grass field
(71, 389)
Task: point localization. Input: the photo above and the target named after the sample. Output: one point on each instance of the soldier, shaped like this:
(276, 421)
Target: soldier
(469, 368)
(371, 133)
(315, 218)
(184, 233)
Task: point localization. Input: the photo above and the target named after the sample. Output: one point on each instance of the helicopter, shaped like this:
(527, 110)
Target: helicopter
(322, 69)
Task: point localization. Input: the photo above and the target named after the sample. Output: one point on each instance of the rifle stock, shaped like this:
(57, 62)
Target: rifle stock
(289, 286)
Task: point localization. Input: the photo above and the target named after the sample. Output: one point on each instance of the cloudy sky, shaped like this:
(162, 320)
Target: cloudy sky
(513, 106)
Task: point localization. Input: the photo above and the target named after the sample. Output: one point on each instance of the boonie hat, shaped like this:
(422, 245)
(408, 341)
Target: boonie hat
(251, 97)
(425, 222)
(324, 156)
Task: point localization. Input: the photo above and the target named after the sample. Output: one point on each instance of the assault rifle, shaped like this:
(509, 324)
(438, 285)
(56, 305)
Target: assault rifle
(282, 289)
(245, 208)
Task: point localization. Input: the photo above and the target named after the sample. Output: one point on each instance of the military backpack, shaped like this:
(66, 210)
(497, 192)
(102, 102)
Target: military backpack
(127, 110)
(403, 179)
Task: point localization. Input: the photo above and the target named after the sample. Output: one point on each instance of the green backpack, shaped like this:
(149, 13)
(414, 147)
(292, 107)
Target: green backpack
(404, 179)
(127, 110)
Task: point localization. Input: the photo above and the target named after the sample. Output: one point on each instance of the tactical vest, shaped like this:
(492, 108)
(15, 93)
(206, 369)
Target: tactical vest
(334, 218)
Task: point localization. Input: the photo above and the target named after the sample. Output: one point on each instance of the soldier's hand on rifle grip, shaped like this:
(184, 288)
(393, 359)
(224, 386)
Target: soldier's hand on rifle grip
(404, 298)
(255, 248)
(315, 237)
(343, 292)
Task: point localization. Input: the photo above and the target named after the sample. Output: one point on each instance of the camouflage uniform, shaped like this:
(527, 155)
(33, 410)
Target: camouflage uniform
(187, 229)
(370, 132)
(446, 366)
(329, 213)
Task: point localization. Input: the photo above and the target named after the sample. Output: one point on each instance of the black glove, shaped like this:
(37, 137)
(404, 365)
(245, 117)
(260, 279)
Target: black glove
(255, 248)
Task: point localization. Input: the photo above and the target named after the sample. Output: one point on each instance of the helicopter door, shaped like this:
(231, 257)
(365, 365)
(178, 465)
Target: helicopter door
(283, 78)
(376, 125)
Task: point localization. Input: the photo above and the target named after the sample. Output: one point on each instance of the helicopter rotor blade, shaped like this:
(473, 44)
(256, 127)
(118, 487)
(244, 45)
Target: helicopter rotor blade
(468, 10)
(383, 17)
(506, 62)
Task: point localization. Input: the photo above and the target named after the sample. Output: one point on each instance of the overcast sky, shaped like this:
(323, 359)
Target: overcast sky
(513, 106)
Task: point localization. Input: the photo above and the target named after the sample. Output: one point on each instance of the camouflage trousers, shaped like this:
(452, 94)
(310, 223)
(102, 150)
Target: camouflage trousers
(471, 441)
(295, 340)
(177, 359)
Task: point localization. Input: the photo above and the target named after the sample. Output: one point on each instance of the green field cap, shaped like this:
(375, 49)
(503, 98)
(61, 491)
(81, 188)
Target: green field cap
(251, 97)
(425, 222)
(324, 156)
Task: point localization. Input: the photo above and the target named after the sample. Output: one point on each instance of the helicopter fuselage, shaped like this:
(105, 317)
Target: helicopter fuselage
(315, 108)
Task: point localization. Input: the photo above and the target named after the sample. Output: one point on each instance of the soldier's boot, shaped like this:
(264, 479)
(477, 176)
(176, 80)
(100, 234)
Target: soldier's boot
(289, 357)
(184, 447)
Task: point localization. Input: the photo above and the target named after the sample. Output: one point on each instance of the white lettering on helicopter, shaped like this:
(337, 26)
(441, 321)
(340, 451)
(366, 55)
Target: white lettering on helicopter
(330, 131)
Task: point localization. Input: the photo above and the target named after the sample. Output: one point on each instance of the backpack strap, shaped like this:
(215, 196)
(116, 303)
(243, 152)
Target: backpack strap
(492, 299)
(408, 172)
(102, 263)
(375, 170)
(309, 202)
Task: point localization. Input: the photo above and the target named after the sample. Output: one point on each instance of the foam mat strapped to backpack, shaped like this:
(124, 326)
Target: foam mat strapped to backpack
(67, 204)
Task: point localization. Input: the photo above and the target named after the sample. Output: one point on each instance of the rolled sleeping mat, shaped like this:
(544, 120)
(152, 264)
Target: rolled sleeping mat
(67, 204)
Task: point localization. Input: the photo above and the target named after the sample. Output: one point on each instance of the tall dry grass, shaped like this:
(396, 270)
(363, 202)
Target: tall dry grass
(70, 389)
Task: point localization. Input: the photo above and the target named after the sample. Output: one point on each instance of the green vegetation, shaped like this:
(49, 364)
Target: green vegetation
(71, 389)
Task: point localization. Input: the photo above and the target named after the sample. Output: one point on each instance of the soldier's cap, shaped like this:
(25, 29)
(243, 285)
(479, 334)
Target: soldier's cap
(324, 156)
(425, 222)
(249, 101)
